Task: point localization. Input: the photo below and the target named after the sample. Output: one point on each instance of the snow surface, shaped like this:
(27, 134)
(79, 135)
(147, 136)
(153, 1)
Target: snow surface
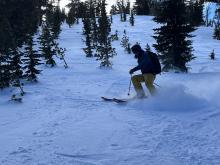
(63, 121)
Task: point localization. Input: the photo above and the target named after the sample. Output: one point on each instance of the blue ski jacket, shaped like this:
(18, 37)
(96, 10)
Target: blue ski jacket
(144, 63)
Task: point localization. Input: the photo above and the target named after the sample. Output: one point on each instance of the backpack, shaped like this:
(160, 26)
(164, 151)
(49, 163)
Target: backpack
(155, 60)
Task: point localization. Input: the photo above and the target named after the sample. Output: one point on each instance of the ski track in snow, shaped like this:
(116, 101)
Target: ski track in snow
(63, 121)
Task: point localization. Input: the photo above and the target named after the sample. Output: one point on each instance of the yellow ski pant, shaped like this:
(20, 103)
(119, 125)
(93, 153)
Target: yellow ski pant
(148, 79)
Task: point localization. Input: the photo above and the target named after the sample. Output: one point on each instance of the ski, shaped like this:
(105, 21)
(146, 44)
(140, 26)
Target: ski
(114, 100)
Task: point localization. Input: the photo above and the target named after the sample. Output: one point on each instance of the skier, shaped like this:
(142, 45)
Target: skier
(146, 66)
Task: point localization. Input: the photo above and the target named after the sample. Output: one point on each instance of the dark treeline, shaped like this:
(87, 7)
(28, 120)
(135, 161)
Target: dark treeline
(20, 21)
(96, 28)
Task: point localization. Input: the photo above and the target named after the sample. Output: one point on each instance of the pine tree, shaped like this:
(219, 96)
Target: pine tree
(173, 37)
(195, 13)
(132, 18)
(51, 29)
(98, 6)
(111, 19)
(55, 31)
(87, 33)
(124, 9)
(93, 13)
(105, 52)
(16, 70)
(217, 25)
(104, 48)
(128, 7)
(115, 36)
(90, 26)
(148, 48)
(47, 43)
(129, 48)
(56, 23)
(18, 19)
(4, 71)
(74, 12)
(212, 55)
(125, 43)
(31, 61)
(142, 7)
(114, 10)
(217, 32)
(5, 35)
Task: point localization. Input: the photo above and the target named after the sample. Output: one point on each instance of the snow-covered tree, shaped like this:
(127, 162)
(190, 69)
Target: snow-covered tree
(125, 43)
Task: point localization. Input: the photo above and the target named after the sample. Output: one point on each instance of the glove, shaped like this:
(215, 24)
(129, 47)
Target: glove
(131, 71)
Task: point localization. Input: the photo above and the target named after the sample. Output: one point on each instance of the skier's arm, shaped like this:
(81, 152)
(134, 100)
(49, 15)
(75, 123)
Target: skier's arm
(136, 69)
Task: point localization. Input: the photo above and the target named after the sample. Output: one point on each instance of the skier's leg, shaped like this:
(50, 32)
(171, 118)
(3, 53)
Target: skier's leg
(136, 80)
(149, 81)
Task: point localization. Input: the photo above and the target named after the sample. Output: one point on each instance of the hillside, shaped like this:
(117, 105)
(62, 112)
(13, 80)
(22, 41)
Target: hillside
(63, 121)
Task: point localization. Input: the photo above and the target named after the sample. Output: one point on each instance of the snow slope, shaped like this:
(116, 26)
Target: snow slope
(63, 121)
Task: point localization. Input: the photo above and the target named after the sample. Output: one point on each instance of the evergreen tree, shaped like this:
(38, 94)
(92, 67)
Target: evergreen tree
(125, 43)
(31, 61)
(195, 13)
(47, 43)
(18, 19)
(93, 13)
(70, 19)
(111, 18)
(5, 35)
(74, 12)
(57, 20)
(104, 48)
(51, 29)
(132, 18)
(56, 23)
(16, 69)
(114, 10)
(129, 48)
(90, 27)
(115, 36)
(128, 7)
(124, 9)
(147, 48)
(217, 25)
(98, 6)
(142, 7)
(212, 55)
(87, 32)
(173, 37)
(217, 32)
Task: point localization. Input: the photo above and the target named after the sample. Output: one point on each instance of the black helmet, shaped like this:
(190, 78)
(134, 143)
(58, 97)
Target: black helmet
(136, 49)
